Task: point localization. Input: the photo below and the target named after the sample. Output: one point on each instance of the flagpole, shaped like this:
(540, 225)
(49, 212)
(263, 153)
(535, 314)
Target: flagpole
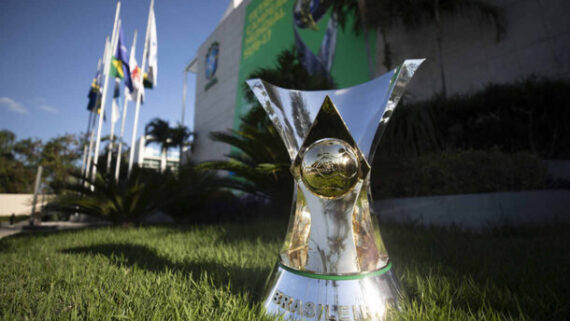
(105, 88)
(87, 134)
(88, 165)
(139, 92)
(181, 152)
(111, 135)
(113, 105)
(89, 128)
(125, 105)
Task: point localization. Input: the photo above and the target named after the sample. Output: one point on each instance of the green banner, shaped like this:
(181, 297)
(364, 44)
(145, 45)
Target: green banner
(270, 27)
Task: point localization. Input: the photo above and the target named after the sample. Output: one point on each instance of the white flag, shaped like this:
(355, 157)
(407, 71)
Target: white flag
(115, 114)
(135, 76)
(152, 51)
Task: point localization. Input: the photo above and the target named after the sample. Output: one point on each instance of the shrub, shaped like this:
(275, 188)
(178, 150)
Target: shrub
(457, 172)
(125, 201)
(527, 115)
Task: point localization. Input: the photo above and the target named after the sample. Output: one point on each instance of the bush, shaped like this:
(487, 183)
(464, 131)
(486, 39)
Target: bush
(528, 115)
(457, 172)
(223, 206)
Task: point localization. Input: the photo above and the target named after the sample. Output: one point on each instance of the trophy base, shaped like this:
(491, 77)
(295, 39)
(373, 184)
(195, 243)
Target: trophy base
(298, 295)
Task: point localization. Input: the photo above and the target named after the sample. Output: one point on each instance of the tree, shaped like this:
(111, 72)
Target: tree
(125, 201)
(29, 151)
(19, 161)
(158, 131)
(59, 157)
(15, 177)
(260, 162)
(7, 140)
(179, 136)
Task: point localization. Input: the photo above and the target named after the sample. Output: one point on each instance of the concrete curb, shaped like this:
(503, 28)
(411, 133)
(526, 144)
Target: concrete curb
(479, 211)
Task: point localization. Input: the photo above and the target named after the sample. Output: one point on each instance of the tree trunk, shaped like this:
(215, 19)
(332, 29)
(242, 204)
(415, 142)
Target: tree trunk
(439, 40)
(162, 160)
(180, 155)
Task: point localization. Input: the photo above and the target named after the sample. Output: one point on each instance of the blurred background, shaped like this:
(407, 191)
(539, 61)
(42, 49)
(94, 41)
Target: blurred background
(479, 136)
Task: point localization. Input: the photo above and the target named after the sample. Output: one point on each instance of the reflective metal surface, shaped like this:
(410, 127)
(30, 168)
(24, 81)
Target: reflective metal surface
(333, 261)
(329, 167)
(298, 297)
(365, 108)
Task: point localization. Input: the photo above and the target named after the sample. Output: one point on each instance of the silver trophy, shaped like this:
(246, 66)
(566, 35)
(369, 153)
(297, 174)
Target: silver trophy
(333, 264)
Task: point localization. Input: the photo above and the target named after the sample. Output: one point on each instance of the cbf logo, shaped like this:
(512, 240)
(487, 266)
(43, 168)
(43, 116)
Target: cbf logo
(212, 60)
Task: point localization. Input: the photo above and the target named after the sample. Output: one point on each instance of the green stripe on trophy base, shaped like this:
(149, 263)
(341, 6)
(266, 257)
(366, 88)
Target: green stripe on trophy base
(338, 277)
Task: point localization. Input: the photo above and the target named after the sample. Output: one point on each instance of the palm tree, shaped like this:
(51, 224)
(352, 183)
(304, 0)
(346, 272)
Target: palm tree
(179, 136)
(124, 201)
(261, 161)
(158, 131)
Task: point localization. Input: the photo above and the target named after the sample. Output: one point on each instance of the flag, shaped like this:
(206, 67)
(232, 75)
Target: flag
(135, 77)
(94, 94)
(115, 114)
(149, 78)
(117, 91)
(120, 62)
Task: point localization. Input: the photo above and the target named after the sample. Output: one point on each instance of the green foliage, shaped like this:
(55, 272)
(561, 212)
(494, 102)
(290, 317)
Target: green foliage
(288, 72)
(15, 177)
(189, 192)
(411, 132)
(261, 162)
(160, 132)
(528, 115)
(58, 157)
(7, 140)
(19, 160)
(531, 114)
(128, 200)
(456, 172)
(179, 135)
(131, 199)
(413, 14)
(219, 272)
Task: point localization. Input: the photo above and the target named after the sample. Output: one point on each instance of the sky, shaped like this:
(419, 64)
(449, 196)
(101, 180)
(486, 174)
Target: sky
(49, 51)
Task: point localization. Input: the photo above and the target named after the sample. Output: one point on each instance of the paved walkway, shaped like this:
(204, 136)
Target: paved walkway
(7, 229)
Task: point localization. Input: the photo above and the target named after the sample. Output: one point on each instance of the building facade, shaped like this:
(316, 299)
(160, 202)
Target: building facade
(149, 156)
(215, 95)
(253, 32)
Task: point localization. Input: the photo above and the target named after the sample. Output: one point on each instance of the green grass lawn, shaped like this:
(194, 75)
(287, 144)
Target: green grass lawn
(218, 273)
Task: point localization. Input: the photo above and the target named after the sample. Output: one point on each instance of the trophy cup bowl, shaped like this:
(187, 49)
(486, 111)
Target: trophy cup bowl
(333, 264)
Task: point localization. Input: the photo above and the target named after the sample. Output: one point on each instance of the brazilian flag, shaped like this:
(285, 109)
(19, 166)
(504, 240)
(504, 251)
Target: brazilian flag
(120, 62)
(94, 94)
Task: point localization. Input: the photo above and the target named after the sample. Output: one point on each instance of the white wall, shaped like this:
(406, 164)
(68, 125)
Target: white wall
(537, 41)
(215, 106)
(479, 211)
(19, 204)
